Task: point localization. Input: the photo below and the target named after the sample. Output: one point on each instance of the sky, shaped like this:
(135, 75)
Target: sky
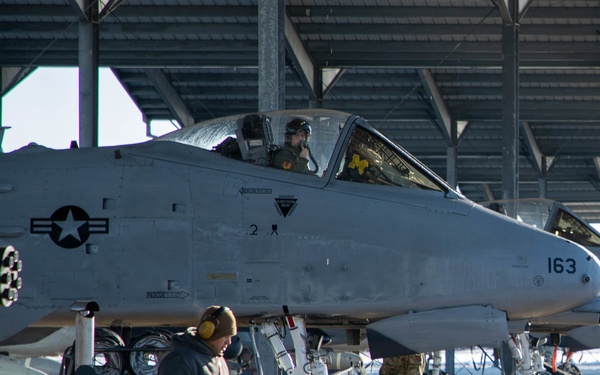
(44, 108)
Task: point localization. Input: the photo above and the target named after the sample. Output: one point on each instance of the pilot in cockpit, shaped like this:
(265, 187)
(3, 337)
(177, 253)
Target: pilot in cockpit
(294, 154)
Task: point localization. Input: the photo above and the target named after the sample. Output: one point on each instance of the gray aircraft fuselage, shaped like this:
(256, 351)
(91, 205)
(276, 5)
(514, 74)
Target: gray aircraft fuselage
(156, 232)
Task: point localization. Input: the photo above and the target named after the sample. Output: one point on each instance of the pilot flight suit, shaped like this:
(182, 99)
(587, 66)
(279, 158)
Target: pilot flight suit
(413, 364)
(288, 158)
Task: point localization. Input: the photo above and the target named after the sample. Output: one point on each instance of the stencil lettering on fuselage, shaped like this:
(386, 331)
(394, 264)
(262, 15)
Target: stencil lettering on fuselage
(262, 282)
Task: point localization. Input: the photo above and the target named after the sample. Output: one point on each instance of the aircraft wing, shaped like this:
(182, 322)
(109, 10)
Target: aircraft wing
(16, 317)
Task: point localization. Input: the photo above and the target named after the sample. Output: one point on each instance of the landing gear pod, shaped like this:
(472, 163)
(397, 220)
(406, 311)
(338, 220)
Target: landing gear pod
(10, 282)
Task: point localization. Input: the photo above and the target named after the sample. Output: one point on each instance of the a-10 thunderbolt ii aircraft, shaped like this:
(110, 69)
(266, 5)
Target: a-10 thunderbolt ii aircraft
(368, 239)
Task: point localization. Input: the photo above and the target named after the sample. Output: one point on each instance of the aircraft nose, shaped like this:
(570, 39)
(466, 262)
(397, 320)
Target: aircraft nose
(575, 273)
(559, 275)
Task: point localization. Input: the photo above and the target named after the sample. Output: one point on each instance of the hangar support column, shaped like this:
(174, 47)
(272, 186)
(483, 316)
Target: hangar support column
(89, 35)
(271, 55)
(512, 11)
(510, 109)
(451, 161)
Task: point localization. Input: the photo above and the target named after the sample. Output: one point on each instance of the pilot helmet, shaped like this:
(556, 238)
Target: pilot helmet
(295, 126)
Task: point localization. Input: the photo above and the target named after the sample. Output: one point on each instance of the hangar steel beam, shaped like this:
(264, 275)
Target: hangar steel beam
(11, 77)
(89, 35)
(301, 60)
(542, 187)
(451, 161)
(446, 124)
(523, 7)
(510, 106)
(168, 94)
(88, 60)
(101, 8)
(534, 150)
(512, 11)
(504, 8)
(594, 182)
(488, 192)
(439, 107)
(597, 165)
(330, 76)
(271, 55)
(108, 7)
(541, 163)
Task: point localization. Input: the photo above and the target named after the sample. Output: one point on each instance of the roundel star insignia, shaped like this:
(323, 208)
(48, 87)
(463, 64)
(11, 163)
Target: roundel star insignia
(69, 226)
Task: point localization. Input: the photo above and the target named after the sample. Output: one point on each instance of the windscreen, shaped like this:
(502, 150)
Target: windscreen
(371, 160)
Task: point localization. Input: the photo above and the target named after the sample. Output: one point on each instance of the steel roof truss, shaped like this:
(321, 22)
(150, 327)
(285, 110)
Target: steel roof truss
(301, 60)
(597, 165)
(441, 112)
(166, 91)
(487, 190)
(541, 163)
(10, 77)
(504, 7)
(330, 77)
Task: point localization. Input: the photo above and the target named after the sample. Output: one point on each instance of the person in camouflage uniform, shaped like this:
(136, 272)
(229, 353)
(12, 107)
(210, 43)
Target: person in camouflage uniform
(294, 154)
(413, 364)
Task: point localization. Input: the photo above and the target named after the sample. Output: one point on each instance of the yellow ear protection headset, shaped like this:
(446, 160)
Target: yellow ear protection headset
(208, 326)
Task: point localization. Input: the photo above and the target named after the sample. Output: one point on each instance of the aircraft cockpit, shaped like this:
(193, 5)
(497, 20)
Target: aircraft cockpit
(367, 157)
(255, 137)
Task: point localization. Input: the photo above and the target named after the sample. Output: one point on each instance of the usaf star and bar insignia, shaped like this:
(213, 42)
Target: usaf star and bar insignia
(69, 226)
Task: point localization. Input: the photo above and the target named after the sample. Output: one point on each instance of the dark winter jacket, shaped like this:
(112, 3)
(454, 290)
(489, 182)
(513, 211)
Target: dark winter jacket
(190, 355)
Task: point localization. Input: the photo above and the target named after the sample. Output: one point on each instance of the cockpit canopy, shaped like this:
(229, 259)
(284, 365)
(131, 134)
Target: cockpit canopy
(254, 137)
(550, 216)
(365, 156)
